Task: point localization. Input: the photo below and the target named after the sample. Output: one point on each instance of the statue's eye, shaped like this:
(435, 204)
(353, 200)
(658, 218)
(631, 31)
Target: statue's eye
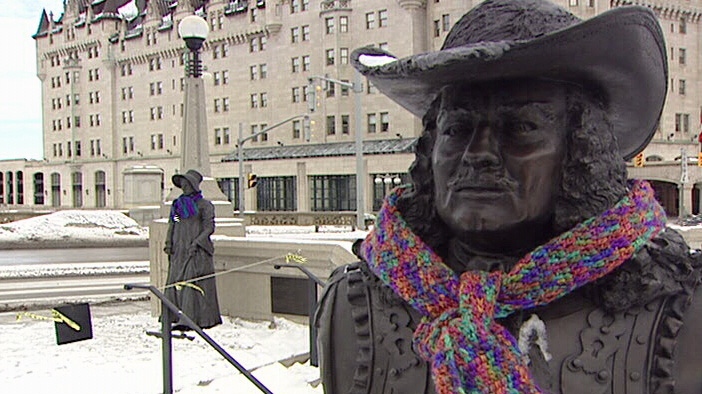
(520, 127)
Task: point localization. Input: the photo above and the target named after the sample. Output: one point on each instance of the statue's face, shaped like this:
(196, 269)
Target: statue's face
(186, 186)
(498, 154)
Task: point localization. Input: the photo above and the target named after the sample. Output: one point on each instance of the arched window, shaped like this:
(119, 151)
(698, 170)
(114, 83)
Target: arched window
(77, 182)
(20, 187)
(55, 189)
(38, 188)
(100, 195)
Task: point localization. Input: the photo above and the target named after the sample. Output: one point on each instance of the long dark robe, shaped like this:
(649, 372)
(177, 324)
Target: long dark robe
(203, 309)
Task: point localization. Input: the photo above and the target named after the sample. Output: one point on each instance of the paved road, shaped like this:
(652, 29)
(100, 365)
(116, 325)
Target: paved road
(49, 291)
(16, 293)
(75, 255)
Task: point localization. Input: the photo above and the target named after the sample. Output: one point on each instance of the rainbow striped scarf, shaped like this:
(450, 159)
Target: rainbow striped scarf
(467, 349)
(185, 206)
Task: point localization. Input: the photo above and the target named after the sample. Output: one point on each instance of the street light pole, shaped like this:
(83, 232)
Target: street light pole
(360, 174)
(240, 153)
(195, 153)
(357, 88)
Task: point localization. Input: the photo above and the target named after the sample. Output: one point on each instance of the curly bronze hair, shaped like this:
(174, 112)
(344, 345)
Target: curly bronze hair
(594, 174)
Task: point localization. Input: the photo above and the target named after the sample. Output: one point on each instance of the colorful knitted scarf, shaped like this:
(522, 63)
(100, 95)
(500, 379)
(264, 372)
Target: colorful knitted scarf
(468, 351)
(185, 206)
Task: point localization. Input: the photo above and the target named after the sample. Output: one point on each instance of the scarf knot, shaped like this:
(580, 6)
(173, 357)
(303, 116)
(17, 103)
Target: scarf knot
(467, 349)
(185, 206)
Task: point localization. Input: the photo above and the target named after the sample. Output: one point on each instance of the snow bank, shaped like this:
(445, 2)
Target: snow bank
(73, 228)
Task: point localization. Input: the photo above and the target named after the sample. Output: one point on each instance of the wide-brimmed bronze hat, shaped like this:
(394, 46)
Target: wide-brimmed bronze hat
(621, 51)
(193, 177)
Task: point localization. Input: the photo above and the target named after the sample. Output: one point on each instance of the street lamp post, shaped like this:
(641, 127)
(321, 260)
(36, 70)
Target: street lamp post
(357, 88)
(195, 149)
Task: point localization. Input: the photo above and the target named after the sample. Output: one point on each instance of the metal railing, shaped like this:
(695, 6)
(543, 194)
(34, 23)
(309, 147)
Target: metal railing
(167, 307)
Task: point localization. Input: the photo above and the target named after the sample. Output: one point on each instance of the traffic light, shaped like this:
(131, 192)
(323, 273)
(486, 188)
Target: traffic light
(252, 180)
(639, 160)
(307, 128)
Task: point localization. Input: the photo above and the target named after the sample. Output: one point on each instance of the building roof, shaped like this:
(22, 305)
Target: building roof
(377, 147)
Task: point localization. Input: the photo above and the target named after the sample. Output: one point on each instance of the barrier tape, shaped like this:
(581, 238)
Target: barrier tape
(296, 257)
(57, 317)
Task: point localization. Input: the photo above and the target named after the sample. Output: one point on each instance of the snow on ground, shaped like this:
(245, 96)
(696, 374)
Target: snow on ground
(74, 225)
(121, 358)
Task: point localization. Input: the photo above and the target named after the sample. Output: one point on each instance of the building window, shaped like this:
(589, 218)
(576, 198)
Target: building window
(276, 194)
(225, 77)
(345, 124)
(331, 89)
(306, 63)
(343, 24)
(294, 6)
(384, 121)
(253, 72)
(216, 105)
(38, 188)
(683, 26)
(296, 94)
(344, 55)
(344, 89)
(333, 193)
(445, 22)
(295, 34)
(263, 70)
(264, 100)
(215, 78)
(218, 136)
(330, 57)
(372, 123)
(437, 28)
(296, 129)
(254, 100)
(329, 25)
(383, 18)
(306, 33)
(331, 125)
(681, 56)
(682, 123)
(225, 104)
(226, 136)
(295, 62)
(573, 3)
(370, 20)
(681, 87)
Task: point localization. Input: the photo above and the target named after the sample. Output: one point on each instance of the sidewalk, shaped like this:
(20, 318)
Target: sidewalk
(121, 358)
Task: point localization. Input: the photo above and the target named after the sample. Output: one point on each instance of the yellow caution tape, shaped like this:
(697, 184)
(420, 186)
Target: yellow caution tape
(179, 286)
(295, 258)
(57, 317)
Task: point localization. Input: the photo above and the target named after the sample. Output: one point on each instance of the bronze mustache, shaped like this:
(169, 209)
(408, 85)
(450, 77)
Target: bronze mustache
(484, 181)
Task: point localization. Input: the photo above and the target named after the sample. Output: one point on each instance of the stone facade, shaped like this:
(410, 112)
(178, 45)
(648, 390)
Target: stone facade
(112, 96)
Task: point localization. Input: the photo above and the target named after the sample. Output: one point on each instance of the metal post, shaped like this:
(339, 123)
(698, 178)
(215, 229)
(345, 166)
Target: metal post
(166, 349)
(240, 156)
(312, 301)
(360, 173)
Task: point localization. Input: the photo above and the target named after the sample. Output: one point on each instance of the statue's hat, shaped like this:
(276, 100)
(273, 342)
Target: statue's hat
(192, 176)
(621, 52)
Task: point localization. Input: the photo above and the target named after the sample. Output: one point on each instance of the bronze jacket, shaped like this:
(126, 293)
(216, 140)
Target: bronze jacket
(634, 333)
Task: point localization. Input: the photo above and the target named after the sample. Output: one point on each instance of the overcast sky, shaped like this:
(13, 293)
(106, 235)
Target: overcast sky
(20, 99)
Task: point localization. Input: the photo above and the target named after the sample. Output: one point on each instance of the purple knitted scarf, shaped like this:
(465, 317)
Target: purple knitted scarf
(467, 349)
(185, 206)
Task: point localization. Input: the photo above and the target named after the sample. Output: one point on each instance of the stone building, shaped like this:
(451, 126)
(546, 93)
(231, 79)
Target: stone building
(112, 75)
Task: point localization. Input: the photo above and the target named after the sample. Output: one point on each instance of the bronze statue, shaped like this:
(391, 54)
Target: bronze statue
(190, 253)
(520, 259)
